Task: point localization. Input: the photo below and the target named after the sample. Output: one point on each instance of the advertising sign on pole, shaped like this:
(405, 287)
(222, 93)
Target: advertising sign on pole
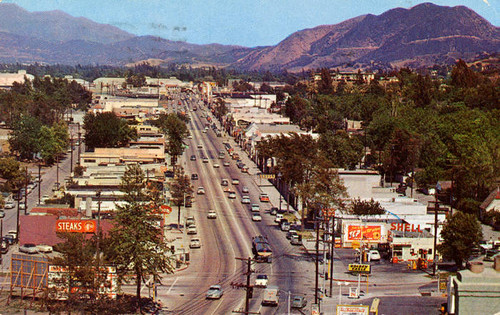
(353, 309)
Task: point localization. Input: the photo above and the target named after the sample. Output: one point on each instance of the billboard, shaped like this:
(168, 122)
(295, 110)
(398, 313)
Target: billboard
(364, 232)
(76, 226)
(59, 281)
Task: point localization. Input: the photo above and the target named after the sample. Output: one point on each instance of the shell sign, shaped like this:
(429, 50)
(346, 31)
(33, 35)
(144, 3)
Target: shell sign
(76, 226)
(370, 233)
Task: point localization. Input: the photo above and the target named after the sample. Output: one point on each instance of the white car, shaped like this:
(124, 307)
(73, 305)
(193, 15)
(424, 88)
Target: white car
(9, 204)
(278, 218)
(226, 164)
(195, 243)
(245, 200)
(232, 195)
(256, 217)
(205, 160)
(44, 248)
(200, 191)
(255, 207)
(245, 189)
(192, 229)
(235, 181)
(212, 214)
(215, 292)
(216, 165)
(373, 255)
(261, 281)
(28, 249)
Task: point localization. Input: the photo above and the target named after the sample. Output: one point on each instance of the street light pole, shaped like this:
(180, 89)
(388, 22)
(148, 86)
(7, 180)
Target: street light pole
(98, 271)
(279, 188)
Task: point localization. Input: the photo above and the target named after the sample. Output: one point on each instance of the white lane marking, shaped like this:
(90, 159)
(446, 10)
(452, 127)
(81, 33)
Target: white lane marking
(172, 285)
(220, 303)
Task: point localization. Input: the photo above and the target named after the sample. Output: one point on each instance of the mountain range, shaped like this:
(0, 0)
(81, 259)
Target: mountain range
(423, 35)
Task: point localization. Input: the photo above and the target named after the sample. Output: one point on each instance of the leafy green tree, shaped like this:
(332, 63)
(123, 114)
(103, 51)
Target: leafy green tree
(180, 189)
(106, 130)
(325, 85)
(136, 80)
(341, 149)
(176, 130)
(364, 207)
(10, 169)
(462, 76)
(220, 108)
(324, 189)
(137, 241)
(460, 234)
(25, 136)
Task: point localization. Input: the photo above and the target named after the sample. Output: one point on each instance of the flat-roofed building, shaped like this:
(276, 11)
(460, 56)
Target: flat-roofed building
(7, 79)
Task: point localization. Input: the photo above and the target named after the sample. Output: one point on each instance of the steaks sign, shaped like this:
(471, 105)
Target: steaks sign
(76, 226)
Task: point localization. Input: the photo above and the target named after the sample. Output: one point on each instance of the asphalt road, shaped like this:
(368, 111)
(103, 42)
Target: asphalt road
(228, 237)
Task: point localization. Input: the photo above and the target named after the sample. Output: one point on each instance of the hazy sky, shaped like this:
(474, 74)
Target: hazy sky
(239, 22)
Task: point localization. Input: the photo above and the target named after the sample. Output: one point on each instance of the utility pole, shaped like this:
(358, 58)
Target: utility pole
(39, 181)
(18, 203)
(71, 157)
(57, 172)
(436, 209)
(248, 287)
(332, 245)
(98, 254)
(316, 277)
(26, 191)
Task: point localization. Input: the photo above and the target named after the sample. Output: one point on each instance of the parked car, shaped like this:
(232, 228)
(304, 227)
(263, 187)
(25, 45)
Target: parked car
(278, 218)
(192, 229)
(244, 169)
(201, 190)
(194, 176)
(285, 225)
(28, 248)
(261, 281)
(373, 255)
(22, 206)
(299, 301)
(9, 238)
(291, 233)
(2, 214)
(4, 247)
(195, 243)
(273, 210)
(189, 221)
(264, 198)
(212, 214)
(245, 189)
(10, 204)
(245, 200)
(256, 217)
(296, 240)
(44, 248)
(214, 292)
(490, 253)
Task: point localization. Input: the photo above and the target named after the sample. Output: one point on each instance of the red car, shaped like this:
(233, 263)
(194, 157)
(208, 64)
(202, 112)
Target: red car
(264, 198)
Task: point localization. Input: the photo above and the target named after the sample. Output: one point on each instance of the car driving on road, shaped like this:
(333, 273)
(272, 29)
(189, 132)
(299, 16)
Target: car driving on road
(214, 292)
(232, 195)
(212, 214)
(195, 243)
(201, 190)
